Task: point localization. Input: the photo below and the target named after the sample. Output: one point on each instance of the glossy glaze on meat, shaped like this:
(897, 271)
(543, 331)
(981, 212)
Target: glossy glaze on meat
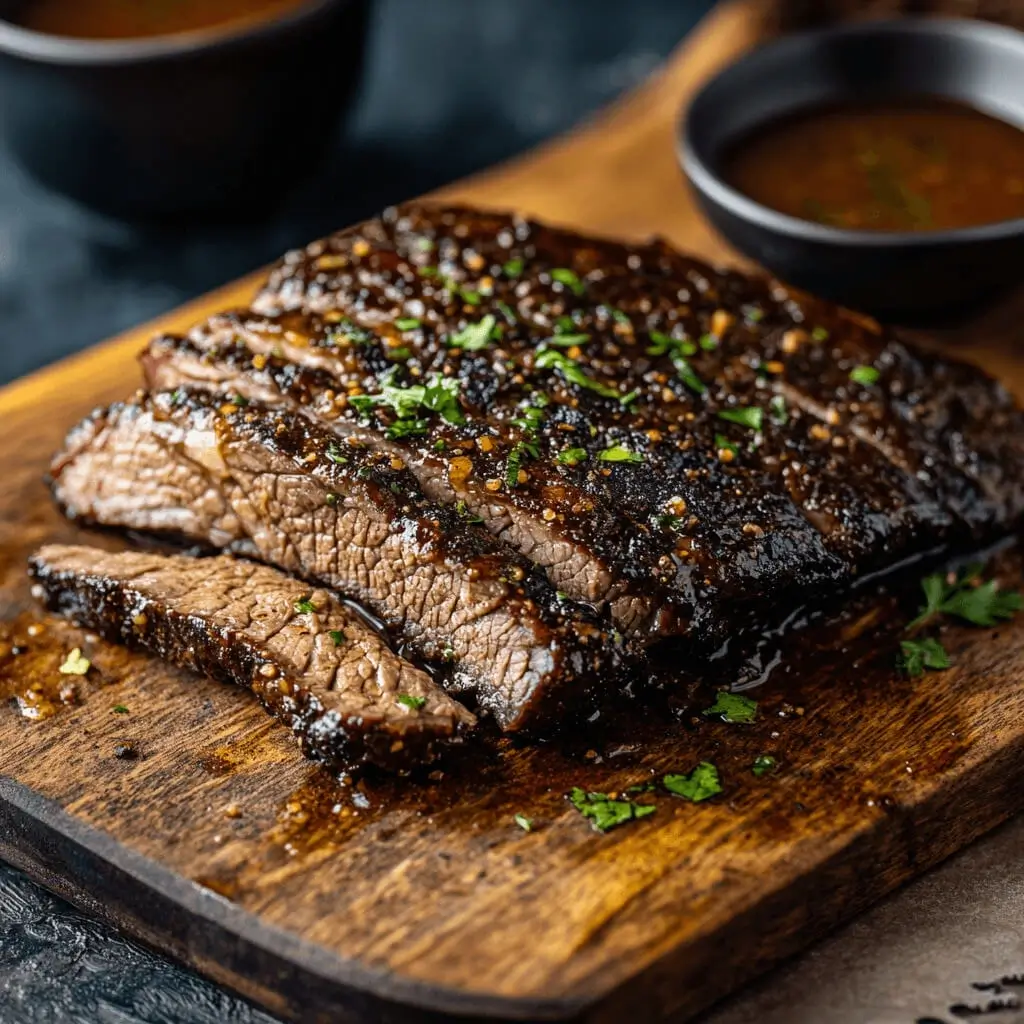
(856, 452)
(275, 486)
(312, 661)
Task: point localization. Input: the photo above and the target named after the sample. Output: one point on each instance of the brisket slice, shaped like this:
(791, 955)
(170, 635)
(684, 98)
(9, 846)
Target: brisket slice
(312, 661)
(277, 487)
(721, 526)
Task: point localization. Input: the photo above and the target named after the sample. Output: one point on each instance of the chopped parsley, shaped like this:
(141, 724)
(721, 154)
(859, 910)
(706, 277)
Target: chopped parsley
(571, 456)
(350, 332)
(963, 596)
(722, 443)
(678, 350)
(338, 636)
(531, 413)
(440, 395)
(966, 597)
(412, 703)
(474, 337)
(918, 655)
(407, 323)
(667, 521)
(701, 784)
(763, 765)
(525, 823)
(331, 499)
(506, 311)
(866, 375)
(305, 606)
(425, 244)
(570, 279)
(619, 453)
(605, 813)
(512, 268)
(708, 342)
(240, 400)
(406, 428)
(751, 417)
(120, 709)
(753, 313)
(777, 409)
(333, 454)
(464, 513)
(733, 708)
(75, 664)
(514, 461)
(820, 334)
(566, 340)
(548, 358)
(621, 318)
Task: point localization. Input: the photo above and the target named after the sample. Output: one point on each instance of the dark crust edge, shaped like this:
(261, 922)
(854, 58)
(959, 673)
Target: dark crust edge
(114, 609)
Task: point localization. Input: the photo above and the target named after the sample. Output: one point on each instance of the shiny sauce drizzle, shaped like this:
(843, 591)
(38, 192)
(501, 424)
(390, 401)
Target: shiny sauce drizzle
(130, 19)
(925, 165)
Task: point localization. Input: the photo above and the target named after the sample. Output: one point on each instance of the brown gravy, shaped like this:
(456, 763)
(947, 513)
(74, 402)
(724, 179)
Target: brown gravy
(130, 19)
(925, 165)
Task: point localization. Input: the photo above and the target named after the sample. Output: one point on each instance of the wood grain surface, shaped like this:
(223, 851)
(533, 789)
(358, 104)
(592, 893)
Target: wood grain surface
(177, 809)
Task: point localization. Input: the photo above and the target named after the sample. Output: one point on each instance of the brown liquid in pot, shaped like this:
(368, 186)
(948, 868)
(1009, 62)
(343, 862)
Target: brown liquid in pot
(129, 19)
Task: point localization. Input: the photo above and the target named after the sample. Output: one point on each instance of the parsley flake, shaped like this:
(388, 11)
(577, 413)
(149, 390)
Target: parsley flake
(708, 342)
(305, 606)
(525, 823)
(338, 636)
(406, 428)
(474, 337)
(733, 708)
(571, 456)
(603, 812)
(514, 462)
(570, 279)
(965, 597)
(865, 375)
(777, 409)
(463, 511)
(678, 350)
(763, 765)
(412, 703)
(120, 709)
(512, 268)
(548, 358)
(506, 311)
(701, 784)
(918, 655)
(407, 323)
(820, 334)
(440, 395)
(333, 454)
(749, 416)
(75, 664)
(619, 453)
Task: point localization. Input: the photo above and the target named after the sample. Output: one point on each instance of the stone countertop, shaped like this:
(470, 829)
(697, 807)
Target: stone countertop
(451, 87)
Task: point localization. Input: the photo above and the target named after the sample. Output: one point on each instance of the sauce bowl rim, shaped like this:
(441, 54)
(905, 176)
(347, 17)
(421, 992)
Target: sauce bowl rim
(47, 48)
(709, 182)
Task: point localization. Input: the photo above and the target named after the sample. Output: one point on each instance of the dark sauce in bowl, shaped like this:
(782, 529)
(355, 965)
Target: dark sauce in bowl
(924, 165)
(132, 19)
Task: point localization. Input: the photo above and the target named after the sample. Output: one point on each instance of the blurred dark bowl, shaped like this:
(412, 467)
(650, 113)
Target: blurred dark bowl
(214, 123)
(912, 276)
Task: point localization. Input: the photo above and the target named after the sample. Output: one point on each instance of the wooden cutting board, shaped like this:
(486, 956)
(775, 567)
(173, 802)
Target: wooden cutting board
(177, 810)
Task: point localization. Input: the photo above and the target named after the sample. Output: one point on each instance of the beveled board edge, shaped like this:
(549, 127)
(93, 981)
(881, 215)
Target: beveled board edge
(137, 895)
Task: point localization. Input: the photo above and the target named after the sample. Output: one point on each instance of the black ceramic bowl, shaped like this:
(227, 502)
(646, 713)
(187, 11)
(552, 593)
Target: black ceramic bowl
(905, 276)
(217, 122)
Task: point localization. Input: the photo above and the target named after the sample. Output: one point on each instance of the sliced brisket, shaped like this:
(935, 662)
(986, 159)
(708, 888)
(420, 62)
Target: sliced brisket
(697, 451)
(312, 661)
(275, 486)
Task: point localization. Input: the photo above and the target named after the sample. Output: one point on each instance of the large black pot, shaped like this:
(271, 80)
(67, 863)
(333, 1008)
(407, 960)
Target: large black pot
(217, 122)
